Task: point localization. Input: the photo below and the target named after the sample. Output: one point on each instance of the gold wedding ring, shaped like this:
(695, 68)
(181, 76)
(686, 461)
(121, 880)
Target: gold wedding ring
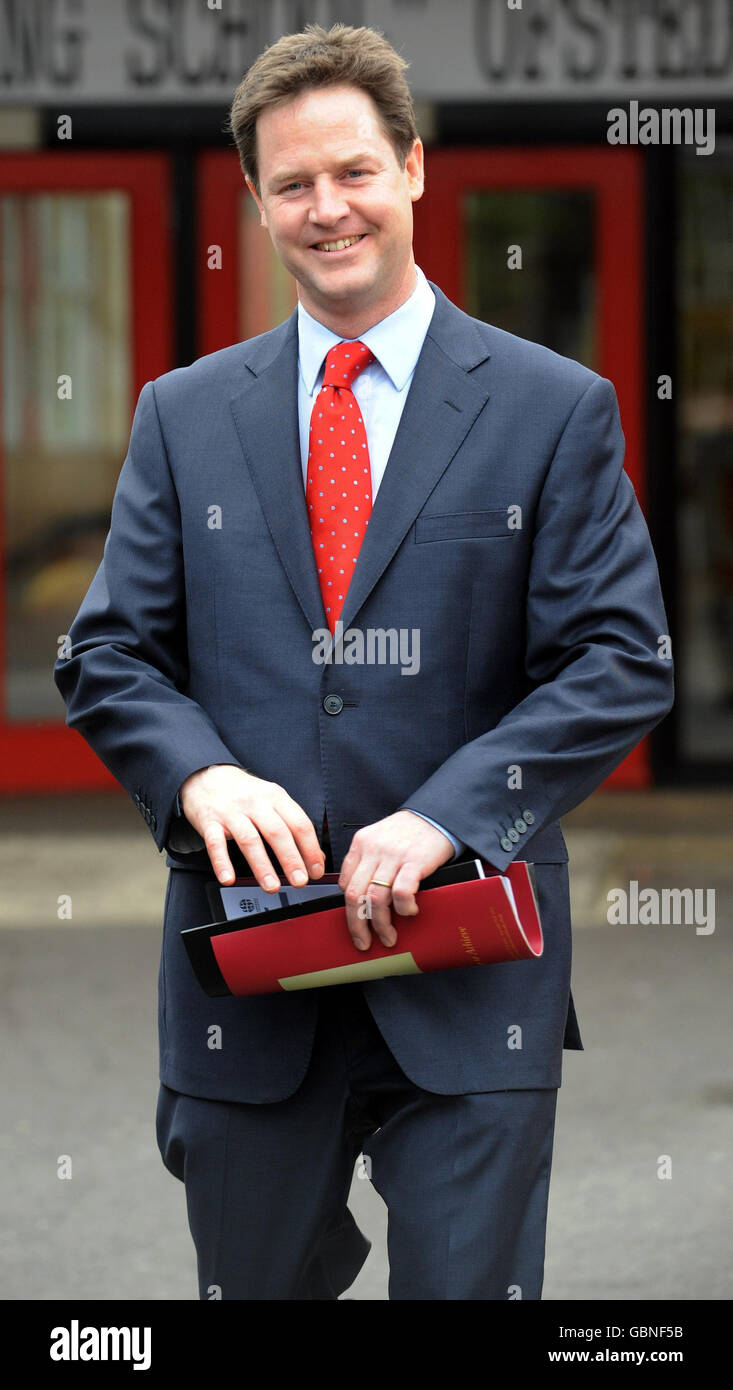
(381, 882)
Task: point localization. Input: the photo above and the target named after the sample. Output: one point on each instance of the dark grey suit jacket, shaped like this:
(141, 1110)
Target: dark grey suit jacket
(507, 533)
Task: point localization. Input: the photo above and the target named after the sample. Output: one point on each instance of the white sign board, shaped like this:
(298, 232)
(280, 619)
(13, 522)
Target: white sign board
(61, 52)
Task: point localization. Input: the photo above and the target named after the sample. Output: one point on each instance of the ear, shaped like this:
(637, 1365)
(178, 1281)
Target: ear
(258, 200)
(415, 171)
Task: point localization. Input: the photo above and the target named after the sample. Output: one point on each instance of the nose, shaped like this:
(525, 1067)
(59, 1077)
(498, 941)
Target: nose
(328, 203)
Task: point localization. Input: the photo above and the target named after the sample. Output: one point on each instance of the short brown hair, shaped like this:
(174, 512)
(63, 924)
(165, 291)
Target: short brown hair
(317, 57)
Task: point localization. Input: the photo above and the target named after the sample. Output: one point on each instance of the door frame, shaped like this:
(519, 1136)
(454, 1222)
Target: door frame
(45, 755)
(616, 179)
(220, 185)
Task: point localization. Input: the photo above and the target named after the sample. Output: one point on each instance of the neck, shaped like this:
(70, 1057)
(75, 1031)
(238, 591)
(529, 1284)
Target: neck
(351, 320)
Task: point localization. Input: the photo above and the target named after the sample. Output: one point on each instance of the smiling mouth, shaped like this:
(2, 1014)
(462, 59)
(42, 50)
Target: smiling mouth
(340, 245)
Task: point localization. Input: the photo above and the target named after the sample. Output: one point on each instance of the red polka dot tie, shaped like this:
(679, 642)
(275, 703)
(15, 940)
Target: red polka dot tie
(338, 489)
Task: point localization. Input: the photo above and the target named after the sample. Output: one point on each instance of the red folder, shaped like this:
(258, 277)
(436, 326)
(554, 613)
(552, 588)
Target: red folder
(308, 946)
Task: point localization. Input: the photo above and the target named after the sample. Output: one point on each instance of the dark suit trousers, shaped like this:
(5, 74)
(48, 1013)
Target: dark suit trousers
(465, 1177)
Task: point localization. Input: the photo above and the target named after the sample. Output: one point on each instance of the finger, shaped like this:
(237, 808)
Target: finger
(357, 920)
(349, 864)
(380, 911)
(250, 843)
(358, 910)
(216, 846)
(305, 837)
(279, 836)
(404, 888)
(378, 897)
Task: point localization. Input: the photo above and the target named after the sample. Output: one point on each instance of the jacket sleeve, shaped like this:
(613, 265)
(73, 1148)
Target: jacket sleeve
(124, 678)
(600, 676)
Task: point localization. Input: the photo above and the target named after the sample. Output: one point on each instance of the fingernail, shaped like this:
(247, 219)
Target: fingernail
(300, 876)
(362, 945)
(316, 869)
(389, 940)
(271, 881)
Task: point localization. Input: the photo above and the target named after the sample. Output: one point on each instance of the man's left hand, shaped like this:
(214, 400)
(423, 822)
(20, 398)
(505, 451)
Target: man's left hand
(400, 851)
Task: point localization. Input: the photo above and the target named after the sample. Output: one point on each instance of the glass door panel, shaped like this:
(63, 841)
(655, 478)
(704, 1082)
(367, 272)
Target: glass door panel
(267, 292)
(65, 294)
(550, 296)
(83, 324)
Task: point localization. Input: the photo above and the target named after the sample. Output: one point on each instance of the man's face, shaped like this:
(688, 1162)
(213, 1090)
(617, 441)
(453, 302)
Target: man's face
(328, 173)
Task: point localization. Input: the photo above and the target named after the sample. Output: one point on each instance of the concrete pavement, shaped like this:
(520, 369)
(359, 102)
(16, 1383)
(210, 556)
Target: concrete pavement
(651, 1094)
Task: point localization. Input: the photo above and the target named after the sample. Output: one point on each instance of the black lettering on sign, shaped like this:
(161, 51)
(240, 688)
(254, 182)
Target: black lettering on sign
(239, 39)
(671, 54)
(536, 22)
(628, 12)
(191, 44)
(148, 20)
(496, 39)
(40, 41)
(510, 42)
(666, 41)
(190, 64)
(583, 60)
(716, 39)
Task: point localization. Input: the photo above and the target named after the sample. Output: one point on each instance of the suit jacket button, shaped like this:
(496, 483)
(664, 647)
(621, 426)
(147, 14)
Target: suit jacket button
(333, 704)
(520, 825)
(528, 817)
(513, 835)
(507, 844)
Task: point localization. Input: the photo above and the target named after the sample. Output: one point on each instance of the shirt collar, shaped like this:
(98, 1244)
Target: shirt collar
(396, 340)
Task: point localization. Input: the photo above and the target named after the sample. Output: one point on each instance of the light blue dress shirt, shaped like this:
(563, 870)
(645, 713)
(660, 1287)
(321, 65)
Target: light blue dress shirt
(380, 388)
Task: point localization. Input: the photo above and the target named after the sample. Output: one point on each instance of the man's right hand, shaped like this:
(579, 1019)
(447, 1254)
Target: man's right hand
(223, 800)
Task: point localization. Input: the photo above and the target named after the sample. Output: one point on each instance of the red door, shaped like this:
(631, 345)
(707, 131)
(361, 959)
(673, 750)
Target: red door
(548, 243)
(85, 316)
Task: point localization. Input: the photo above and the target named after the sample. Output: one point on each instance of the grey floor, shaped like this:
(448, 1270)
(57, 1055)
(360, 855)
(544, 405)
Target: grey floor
(79, 1077)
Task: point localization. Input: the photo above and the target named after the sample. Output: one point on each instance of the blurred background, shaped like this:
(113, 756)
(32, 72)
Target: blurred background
(116, 181)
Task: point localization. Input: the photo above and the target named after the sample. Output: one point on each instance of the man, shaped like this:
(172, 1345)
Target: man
(469, 487)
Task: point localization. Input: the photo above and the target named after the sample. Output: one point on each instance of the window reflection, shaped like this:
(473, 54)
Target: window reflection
(551, 299)
(267, 291)
(66, 387)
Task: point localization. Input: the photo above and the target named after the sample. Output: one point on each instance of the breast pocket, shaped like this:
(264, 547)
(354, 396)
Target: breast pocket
(456, 526)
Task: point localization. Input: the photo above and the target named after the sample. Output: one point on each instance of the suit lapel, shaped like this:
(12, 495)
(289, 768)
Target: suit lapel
(442, 404)
(266, 416)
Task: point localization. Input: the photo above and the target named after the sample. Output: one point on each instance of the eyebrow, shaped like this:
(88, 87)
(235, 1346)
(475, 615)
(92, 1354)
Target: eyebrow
(292, 175)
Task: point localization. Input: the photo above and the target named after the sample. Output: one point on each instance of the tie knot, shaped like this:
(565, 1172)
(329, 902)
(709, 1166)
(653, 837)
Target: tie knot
(344, 362)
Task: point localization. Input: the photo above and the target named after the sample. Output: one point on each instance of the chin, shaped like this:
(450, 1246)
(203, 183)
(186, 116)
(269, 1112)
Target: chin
(351, 278)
